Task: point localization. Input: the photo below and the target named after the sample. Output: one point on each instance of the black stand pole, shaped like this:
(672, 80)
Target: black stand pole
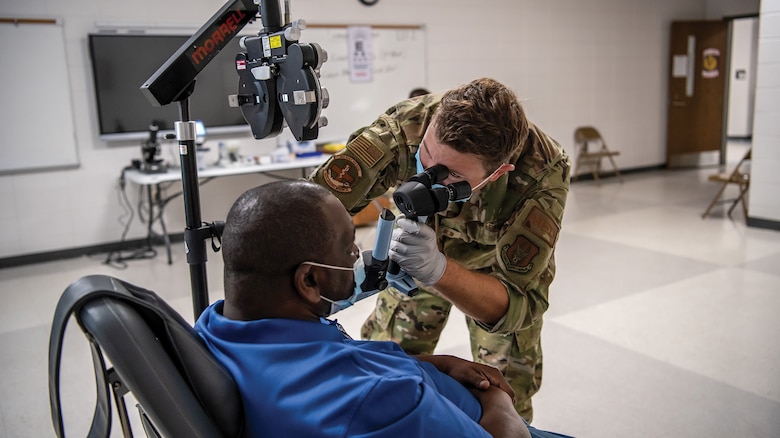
(196, 233)
(174, 81)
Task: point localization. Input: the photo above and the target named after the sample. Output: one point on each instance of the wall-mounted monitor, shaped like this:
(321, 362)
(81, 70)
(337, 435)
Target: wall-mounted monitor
(122, 62)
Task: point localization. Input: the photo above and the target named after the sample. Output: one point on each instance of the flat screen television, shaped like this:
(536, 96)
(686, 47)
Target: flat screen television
(122, 62)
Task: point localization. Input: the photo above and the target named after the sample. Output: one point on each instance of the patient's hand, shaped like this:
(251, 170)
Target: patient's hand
(499, 417)
(468, 373)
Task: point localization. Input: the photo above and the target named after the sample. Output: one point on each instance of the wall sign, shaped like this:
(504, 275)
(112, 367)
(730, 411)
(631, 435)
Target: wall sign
(710, 63)
(361, 53)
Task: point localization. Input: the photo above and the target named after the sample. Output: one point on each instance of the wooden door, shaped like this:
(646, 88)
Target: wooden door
(698, 70)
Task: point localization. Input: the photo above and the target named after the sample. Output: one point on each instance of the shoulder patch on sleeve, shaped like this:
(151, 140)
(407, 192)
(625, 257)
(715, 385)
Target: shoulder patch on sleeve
(542, 225)
(342, 173)
(366, 151)
(518, 256)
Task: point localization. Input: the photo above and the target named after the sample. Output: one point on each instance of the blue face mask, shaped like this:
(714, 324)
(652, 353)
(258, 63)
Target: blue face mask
(359, 271)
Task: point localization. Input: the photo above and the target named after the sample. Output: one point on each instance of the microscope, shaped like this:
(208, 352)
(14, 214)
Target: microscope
(150, 149)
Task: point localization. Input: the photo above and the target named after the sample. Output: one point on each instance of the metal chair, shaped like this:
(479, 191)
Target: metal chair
(180, 387)
(591, 150)
(739, 176)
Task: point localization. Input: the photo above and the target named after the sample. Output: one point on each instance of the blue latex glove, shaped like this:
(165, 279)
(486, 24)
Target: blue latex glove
(413, 247)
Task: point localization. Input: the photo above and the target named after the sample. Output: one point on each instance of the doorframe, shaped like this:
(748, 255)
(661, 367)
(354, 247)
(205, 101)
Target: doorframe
(730, 19)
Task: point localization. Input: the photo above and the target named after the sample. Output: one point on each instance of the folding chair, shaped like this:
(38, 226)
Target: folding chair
(591, 150)
(739, 176)
(181, 389)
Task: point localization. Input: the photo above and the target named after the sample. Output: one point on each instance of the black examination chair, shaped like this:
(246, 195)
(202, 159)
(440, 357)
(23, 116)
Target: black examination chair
(182, 391)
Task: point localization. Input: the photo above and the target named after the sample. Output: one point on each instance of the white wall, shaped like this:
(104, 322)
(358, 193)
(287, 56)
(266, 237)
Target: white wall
(742, 90)
(599, 62)
(741, 93)
(765, 179)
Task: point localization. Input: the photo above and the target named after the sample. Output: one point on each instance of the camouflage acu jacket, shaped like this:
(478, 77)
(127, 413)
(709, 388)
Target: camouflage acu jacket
(508, 229)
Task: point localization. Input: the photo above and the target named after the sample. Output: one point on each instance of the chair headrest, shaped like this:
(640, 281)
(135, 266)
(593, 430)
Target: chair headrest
(156, 353)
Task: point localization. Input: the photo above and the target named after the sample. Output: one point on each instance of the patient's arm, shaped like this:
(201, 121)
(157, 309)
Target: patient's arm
(468, 373)
(499, 417)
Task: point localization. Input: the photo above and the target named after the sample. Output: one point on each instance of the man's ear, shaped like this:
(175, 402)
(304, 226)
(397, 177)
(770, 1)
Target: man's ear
(502, 169)
(307, 281)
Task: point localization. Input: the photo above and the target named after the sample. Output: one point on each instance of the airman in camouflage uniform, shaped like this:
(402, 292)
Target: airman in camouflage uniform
(507, 230)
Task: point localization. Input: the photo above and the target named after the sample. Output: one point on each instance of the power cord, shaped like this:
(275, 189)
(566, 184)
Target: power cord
(117, 258)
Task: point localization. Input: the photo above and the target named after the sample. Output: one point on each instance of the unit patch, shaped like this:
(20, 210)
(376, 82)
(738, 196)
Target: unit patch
(366, 151)
(517, 256)
(342, 173)
(540, 224)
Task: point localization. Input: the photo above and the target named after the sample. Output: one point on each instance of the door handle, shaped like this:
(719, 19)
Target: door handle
(678, 103)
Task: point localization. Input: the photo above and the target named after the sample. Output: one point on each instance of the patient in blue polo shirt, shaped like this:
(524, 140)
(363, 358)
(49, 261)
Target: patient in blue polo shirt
(289, 251)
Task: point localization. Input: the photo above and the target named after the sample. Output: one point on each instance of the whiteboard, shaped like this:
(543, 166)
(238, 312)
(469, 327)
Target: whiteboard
(398, 66)
(37, 128)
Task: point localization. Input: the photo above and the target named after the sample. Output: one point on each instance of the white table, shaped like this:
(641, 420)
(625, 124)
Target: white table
(153, 180)
(174, 174)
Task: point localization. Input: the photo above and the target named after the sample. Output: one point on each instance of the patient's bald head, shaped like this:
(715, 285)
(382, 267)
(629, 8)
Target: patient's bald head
(269, 232)
(274, 227)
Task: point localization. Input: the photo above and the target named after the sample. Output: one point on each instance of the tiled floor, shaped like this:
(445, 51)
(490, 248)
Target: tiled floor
(660, 323)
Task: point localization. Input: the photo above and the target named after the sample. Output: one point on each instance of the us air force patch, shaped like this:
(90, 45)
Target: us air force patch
(342, 173)
(540, 224)
(518, 256)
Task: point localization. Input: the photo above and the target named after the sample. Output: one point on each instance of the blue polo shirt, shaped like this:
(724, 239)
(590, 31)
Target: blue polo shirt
(304, 378)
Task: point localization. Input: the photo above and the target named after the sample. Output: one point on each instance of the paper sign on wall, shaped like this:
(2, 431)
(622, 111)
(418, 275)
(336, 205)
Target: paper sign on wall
(679, 66)
(360, 54)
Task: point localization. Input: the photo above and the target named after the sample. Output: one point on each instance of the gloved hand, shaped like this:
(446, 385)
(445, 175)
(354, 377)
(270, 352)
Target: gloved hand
(414, 248)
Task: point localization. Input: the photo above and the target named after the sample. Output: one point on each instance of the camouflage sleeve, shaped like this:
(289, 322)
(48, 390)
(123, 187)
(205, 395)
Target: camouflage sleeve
(365, 169)
(376, 157)
(525, 261)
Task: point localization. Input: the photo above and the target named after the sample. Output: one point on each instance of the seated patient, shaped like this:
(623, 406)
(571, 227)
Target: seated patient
(289, 249)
